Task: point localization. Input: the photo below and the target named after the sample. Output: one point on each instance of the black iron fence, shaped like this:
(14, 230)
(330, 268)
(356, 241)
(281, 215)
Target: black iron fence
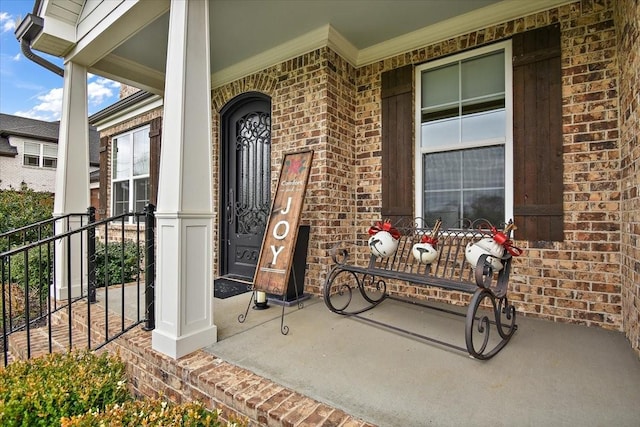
(57, 274)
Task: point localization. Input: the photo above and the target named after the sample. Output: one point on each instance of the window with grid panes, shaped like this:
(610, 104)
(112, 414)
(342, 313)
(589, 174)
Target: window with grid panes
(130, 171)
(40, 155)
(464, 139)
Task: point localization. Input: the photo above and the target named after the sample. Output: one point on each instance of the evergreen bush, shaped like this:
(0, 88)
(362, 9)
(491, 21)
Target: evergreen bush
(41, 391)
(24, 207)
(118, 265)
(150, 413)
(19, 209)
(82, 389)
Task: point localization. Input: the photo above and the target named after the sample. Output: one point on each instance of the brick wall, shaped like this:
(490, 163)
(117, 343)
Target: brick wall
(627, 18)
(126, 90)
(577, 280)
(312, 100)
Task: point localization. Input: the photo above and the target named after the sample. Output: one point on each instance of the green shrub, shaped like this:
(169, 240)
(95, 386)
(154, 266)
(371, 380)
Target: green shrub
(81, 389)
(18, 209)
(150, 413)
(40, 265)
(41, 391)
(120, 269)
(24, 207)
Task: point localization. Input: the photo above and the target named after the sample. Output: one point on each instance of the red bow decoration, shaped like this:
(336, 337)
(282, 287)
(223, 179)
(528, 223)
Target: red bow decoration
(501, 238)
(384, 226)
(432, 237)
(429, 239)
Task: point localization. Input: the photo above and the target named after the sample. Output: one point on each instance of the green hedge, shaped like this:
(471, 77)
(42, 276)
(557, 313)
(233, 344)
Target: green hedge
(150, 413)
(18, 209)
(82, 389)
(40, 268)
(121, 266)
(41, 391)
(24, 207)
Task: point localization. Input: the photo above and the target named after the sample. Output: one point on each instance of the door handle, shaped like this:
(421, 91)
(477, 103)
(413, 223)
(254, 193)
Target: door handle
(231, 212)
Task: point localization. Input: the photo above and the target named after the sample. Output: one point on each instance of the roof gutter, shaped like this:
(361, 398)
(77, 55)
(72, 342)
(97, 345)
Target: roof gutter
(122, 105)
(27, 30)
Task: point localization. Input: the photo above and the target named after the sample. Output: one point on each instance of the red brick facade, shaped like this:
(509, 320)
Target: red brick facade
(627, 19)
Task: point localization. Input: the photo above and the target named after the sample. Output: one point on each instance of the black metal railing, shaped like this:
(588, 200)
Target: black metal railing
(109, 265)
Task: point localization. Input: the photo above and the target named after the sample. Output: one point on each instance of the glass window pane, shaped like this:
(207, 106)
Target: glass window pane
(444, 205)
(141, 193)
(50, 150)
(48, 162)
(483, 167)
(440, 86)
(487, 204)
(122, 157)
(482, 126)
(442, 171)
(31, 160)
(141, 152)
(441, 132)
(483, 76)
(442, 186)
(31, 148)
(464, 184)
(120, 197)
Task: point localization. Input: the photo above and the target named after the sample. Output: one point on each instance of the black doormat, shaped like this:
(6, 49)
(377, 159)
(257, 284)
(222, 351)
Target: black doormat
(225, 288)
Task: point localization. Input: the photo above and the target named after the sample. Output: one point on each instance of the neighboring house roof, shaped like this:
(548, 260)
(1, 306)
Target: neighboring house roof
(122, 105)
(40, 130)
(6, 149)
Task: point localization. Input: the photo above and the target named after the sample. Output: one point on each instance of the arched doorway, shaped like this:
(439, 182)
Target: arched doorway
(245, 190)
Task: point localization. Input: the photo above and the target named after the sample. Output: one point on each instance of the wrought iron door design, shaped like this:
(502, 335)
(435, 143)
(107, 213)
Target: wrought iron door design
(246, 173)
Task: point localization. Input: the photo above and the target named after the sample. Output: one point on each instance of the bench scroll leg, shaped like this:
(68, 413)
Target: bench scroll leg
(478, 325)
(339, 291)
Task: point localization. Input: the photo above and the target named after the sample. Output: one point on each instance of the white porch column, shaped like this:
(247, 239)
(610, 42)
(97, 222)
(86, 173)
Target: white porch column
(184, 216)
(72, 179)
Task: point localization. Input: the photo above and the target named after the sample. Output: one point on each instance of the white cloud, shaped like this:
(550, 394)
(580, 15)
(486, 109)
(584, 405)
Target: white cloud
(102, 90)
(34, 115)
(7, 22)
(17, 57)
(49, 107)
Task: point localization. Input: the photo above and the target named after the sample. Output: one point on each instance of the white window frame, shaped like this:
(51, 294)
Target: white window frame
(419, 150)
(131, 178)
(41, 156)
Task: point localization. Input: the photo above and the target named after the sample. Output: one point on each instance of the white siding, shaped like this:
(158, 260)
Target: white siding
(13, 173)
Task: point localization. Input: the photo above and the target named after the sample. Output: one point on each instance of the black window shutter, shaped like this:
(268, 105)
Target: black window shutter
(397, 143)
(155, 135)
(104, 175)
(537, 121)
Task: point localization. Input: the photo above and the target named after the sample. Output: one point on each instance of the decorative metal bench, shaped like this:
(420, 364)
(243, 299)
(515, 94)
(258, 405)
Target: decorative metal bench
(488, 308)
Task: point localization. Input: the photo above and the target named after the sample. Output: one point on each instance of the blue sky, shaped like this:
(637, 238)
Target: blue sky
(29, 90)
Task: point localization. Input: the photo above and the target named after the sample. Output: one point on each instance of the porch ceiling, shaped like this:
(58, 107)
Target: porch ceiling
(249, 35)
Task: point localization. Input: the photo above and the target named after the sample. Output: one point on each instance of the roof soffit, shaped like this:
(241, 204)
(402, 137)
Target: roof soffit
(117, 45)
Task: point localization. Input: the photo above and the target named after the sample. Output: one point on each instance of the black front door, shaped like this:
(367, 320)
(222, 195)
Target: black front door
(246, 183)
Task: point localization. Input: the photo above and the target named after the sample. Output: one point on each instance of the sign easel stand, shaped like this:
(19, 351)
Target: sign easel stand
(275, 264)
(284, 329)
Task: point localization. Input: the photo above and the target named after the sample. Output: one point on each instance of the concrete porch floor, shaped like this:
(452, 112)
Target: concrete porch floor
(550, 374)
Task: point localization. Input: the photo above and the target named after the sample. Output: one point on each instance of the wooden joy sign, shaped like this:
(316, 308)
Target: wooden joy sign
(276, 255)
